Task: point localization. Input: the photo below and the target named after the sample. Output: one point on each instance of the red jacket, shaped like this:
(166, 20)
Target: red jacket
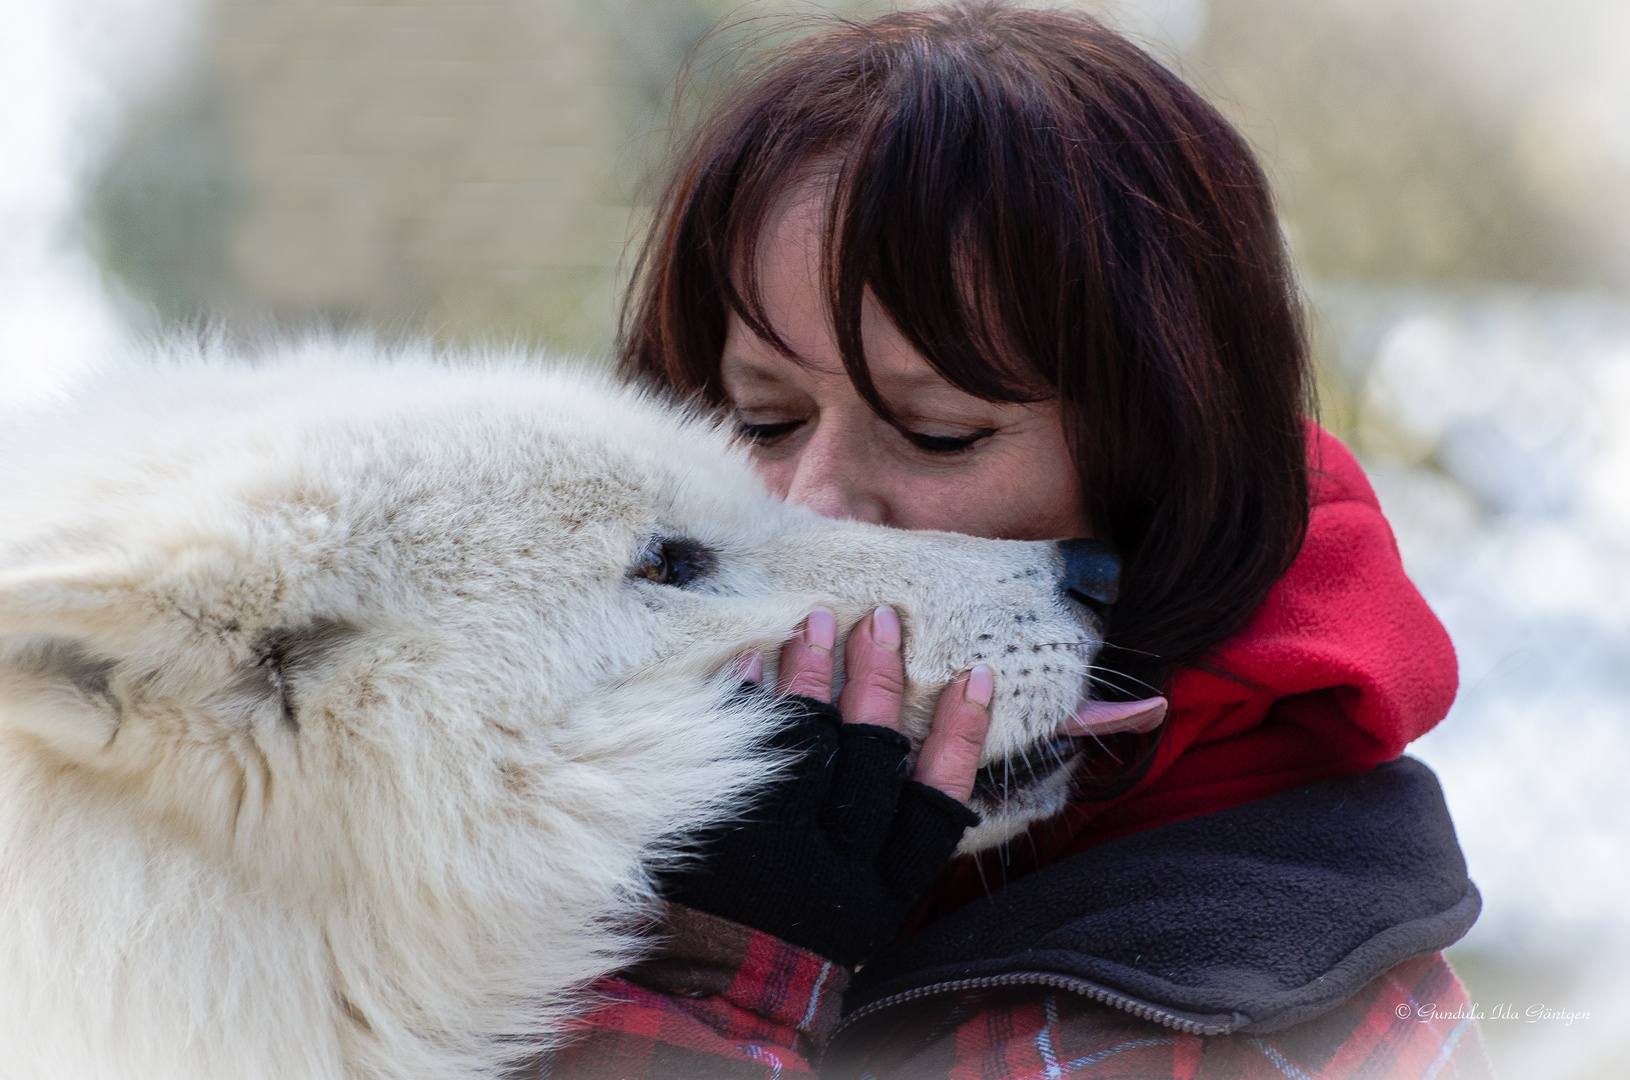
(1341, 668)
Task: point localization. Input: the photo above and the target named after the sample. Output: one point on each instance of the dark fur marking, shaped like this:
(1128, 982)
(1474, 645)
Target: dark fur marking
(68, 660)
(355, 1015)
(280, 652)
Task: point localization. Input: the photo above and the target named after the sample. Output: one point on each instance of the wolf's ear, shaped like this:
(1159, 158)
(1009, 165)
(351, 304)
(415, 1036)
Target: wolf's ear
(65, 628)
(73, 594)
(59, 690)
(77, 634)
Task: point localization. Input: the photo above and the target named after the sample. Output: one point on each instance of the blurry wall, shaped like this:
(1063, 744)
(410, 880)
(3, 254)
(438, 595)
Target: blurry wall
(465, 169)
(1433, 142)
(476, 168)
(1448, 148)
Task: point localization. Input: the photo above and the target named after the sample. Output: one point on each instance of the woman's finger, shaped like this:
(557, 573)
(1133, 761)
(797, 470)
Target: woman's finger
(874, 677)
(806, 660)
(748, 667)
(950, 755)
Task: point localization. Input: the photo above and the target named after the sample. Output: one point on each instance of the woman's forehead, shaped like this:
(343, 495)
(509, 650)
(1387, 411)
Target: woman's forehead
(792, 295)
(756, 361)
(902, 376)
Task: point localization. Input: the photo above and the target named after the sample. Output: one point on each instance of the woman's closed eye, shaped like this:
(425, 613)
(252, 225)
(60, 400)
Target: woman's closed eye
(766, 432)
(947, 444)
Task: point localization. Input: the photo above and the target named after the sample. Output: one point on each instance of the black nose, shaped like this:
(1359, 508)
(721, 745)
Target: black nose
(1092, 574)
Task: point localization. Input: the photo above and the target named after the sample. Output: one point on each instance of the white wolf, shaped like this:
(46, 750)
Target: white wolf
(346, 706)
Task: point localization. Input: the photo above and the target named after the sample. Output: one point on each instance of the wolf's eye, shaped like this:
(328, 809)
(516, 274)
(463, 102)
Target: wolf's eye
(673, 562)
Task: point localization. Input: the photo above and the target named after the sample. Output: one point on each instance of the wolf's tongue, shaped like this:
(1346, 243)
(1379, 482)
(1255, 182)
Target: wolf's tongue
(1108, 717)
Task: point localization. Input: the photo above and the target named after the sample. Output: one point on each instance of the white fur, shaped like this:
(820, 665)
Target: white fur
(336, 739)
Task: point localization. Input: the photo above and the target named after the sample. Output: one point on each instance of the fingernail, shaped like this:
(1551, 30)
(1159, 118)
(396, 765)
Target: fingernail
(981, 684)
(750, 668)
(886, 628)
(821, 629)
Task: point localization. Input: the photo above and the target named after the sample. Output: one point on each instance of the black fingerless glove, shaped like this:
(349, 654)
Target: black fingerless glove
(833, 856)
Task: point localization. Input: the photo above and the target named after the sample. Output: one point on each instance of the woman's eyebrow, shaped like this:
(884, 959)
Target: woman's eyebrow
(771, 371)
(742, 367)
(912, 380)
(901, 389)
(896, 387)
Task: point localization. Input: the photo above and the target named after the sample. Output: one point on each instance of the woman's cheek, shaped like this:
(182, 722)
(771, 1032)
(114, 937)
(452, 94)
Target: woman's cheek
(960, 503)
(1033, 498)
(775, 475)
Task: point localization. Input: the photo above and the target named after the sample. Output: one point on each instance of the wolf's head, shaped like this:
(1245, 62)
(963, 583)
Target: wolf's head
(419, 639)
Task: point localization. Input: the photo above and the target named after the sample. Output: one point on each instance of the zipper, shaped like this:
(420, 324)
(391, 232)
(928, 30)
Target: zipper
(1103, 995)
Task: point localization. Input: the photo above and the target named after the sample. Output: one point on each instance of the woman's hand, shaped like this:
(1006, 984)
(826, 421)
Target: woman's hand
(872, 694)
(841, 844)
(874, 688)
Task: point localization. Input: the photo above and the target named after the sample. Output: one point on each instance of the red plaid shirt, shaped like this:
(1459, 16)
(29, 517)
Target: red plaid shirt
(724, 1002)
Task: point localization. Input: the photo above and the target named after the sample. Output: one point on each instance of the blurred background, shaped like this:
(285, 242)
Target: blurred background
(1454, 178)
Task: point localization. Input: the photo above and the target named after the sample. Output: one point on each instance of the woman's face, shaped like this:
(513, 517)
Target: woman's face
(968, 466)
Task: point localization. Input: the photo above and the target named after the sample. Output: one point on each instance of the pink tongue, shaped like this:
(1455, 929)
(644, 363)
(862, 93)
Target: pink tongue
(1108, 717)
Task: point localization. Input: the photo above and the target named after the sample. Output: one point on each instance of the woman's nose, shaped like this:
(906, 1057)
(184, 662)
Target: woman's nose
(828, 478)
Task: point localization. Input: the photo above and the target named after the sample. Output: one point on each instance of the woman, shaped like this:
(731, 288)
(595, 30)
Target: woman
(996, 271)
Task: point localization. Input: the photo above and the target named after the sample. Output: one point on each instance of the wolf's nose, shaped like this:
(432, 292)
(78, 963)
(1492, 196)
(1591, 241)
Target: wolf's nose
(1092, 573)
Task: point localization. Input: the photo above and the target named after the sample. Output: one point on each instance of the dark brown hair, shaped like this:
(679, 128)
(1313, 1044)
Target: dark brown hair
(1042, 210)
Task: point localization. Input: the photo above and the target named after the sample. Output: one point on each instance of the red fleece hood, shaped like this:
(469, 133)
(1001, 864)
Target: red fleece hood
(1342, 667)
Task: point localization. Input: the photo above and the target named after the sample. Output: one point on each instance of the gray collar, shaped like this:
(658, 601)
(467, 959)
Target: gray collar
(1246, 920)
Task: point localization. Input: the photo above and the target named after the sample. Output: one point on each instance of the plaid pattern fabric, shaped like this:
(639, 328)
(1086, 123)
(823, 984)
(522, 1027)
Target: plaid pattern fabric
(1390, 1030)
(697, 1017)
(719, 1002)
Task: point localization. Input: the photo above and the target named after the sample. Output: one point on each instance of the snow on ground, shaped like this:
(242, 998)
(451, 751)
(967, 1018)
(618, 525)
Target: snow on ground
(1496, 429)
(65, 68)
(55, 320)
